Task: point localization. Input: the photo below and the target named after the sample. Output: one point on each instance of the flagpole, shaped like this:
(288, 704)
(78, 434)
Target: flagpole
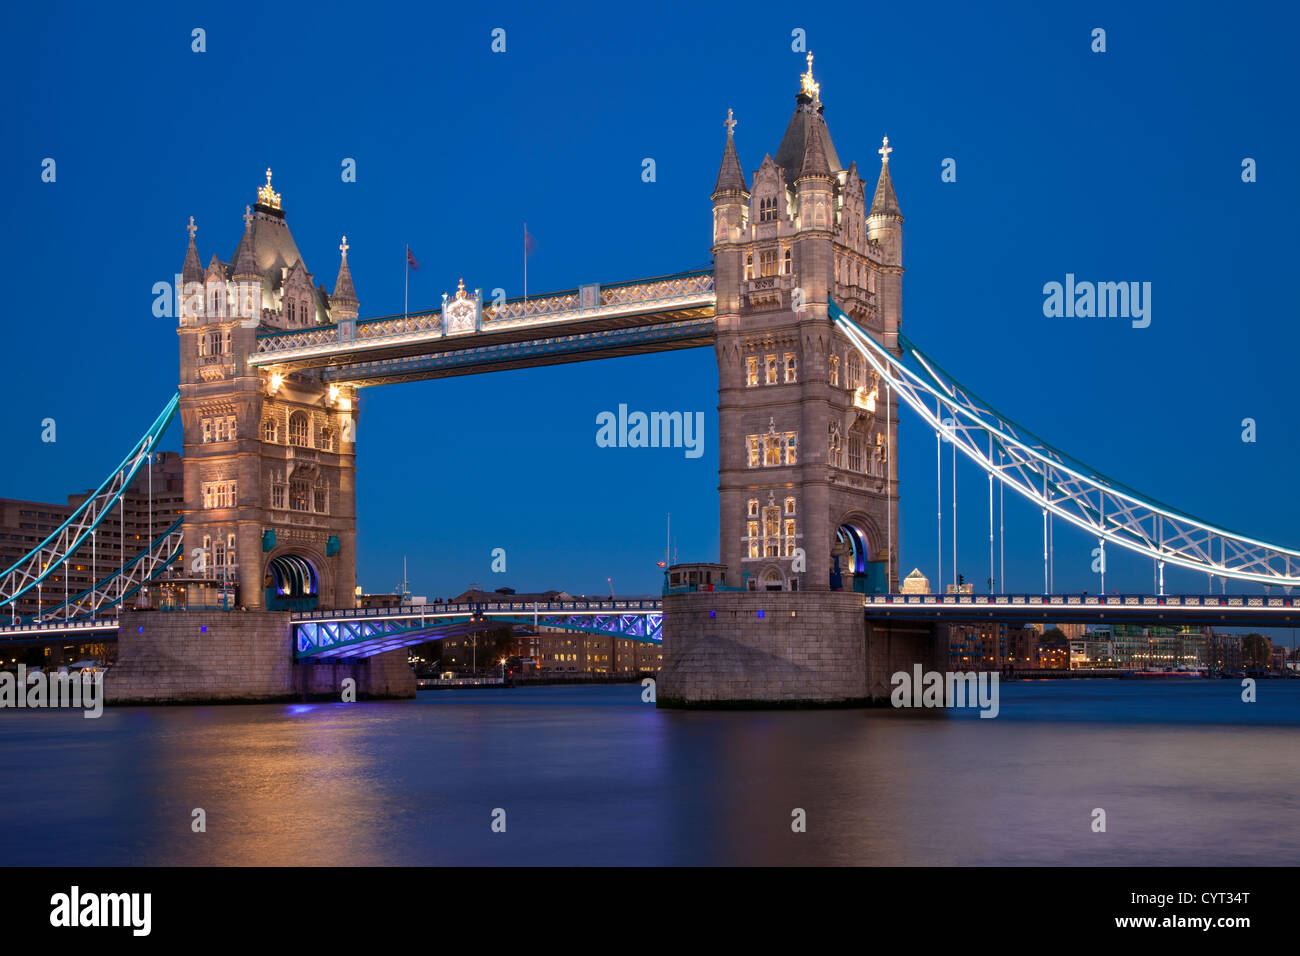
(525, 268)
(406, 295)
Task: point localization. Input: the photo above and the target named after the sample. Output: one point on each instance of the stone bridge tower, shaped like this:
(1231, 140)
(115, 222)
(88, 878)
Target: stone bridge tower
(269, 459)
(808, 471)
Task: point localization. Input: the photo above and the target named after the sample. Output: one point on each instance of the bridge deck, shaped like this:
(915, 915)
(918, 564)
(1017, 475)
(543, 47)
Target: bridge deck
(669, 312)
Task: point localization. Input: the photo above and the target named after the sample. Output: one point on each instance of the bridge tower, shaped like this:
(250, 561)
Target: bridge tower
(808, 436)
(269, 458)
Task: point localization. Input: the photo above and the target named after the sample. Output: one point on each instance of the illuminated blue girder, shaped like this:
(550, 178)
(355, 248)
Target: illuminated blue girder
(364, 632)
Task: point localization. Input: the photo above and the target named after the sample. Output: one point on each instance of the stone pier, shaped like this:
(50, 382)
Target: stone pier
(237, 657)
(782, 649)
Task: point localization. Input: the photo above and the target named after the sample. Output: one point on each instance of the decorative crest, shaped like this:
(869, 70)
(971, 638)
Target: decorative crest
(809, 86)
(460, 289)
(266, 196)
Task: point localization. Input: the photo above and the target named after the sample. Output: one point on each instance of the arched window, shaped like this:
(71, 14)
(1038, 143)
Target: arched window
(857, 439)
(270, 430)
(299, 430)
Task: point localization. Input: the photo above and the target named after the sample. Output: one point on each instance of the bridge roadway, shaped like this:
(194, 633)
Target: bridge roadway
(363, 632)
(467, 337)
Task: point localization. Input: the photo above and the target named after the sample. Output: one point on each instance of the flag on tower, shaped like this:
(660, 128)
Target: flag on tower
(410, 259)
(530, 244)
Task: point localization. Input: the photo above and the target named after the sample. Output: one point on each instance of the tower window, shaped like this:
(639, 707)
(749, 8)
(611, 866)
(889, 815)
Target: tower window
(790, 367)
(787, 263)
(835, 370)
(299, 430)
(270, 430)
(767, 209)
(751, 370)
(767, 262)
(770, 361)
(749, 265)
(753, 507)
(753, 451)
(855, 372)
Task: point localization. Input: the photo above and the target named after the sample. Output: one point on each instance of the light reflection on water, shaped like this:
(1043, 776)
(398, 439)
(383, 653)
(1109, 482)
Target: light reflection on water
(1187, 774)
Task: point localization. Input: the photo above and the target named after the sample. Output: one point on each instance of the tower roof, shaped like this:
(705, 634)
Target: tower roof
(730, 176)
(343, 291)
(807, 114)
(815, 162)
(244, 262)
(884, 202)
(192, 270)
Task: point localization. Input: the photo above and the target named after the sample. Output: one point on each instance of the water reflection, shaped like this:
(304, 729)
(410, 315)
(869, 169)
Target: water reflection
(1186, 775)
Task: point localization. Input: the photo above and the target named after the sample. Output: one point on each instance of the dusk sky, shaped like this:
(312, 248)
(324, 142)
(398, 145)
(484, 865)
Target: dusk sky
(1117, 166)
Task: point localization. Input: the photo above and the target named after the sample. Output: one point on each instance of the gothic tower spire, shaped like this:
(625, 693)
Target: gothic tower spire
(343, 303)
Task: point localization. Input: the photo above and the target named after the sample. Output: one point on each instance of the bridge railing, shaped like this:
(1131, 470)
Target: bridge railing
(1083, 600)
(490, 607)
(680, 289)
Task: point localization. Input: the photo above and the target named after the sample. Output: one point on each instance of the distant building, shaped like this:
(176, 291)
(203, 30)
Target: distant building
(916, 583)
(991, 647)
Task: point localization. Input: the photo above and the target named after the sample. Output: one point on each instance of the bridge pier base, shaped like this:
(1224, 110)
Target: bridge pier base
(196, 657)
(768, 649)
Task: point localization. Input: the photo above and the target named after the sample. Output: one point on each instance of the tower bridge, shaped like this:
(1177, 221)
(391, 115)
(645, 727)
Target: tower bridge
(803, 309)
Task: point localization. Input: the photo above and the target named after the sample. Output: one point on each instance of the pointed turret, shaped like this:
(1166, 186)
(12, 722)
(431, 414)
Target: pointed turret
(815, 163)
(343, 303)
(730, 193)
(730, 178)
(192, 271)
(884, 202)
(884, 217)
(244, 264)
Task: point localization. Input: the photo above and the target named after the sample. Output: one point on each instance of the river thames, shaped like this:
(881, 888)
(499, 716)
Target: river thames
(1186, 773)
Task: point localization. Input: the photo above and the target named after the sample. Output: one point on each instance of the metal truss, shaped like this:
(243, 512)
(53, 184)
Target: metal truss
(647, 627)
(38, 564)
(1062, 485)
(124, 582)
(364, 632)
(607, 343)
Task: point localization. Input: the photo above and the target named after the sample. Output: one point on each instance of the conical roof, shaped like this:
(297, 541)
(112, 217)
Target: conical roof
(343, 291)
(884, 202)
(815, 161)
(192, 271)
(730, 176)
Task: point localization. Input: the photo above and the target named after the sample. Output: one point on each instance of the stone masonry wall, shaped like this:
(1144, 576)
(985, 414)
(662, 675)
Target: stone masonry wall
(236, 656)
(808, 648)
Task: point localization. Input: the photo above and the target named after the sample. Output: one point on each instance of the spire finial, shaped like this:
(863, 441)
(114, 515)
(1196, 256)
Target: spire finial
(730, 122)
(344, 247)
(266, 196)
(248, 215)
(192, 229)
(460, 289)
(884, 152)
(810, 87)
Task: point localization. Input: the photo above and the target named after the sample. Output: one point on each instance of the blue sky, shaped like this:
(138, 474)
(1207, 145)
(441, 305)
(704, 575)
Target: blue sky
(1123, 165)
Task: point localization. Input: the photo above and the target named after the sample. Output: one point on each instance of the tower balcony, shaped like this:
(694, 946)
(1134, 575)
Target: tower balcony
(766, 293)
